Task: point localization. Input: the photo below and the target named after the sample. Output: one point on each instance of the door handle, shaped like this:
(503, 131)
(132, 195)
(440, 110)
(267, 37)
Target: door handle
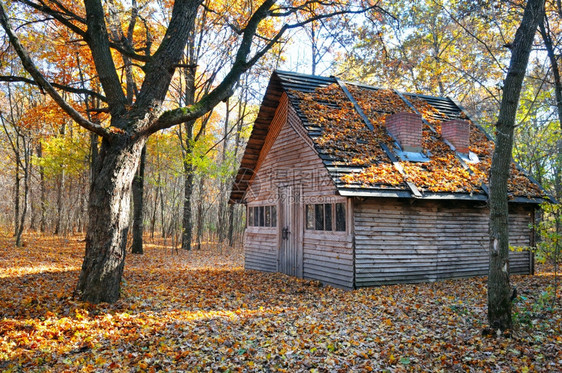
(285, 233)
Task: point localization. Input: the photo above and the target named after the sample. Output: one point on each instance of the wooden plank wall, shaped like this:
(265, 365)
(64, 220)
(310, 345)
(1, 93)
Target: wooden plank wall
(426, 241)
(292, 161)
(260, 249)
(520, 236)
(328, 257)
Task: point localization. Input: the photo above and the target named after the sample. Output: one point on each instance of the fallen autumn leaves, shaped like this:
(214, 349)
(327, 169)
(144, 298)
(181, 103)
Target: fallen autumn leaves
(200, 311)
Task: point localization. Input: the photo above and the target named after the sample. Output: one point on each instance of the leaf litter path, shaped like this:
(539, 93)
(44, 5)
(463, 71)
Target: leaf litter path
(200, 311)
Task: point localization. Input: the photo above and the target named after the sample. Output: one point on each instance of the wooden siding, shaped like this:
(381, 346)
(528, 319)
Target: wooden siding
(328, 257)
(291, 160)
(426, 241)
(260, 249)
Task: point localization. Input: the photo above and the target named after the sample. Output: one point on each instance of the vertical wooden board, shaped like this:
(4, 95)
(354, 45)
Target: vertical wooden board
(298, 230)
(290, 251)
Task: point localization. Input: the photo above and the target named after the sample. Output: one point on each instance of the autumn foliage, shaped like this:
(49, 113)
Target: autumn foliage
(344, 137)
(200, 311)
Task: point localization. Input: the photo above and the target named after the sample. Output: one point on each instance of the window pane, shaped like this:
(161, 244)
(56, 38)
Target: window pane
(328, 217)
(319, 215)
(340, 217)
(256, 217)
(250, 218)
(262, 216)
(273, 216)
(268, 216)
(309, 216)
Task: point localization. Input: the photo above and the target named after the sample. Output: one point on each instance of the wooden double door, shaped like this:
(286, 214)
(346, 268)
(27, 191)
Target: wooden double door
(290, 259)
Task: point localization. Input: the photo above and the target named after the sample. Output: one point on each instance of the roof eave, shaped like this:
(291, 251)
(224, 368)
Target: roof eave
(378, 193)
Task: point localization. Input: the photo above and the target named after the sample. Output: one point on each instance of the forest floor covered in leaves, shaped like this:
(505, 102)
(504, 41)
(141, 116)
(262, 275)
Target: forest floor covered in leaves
(200, 311)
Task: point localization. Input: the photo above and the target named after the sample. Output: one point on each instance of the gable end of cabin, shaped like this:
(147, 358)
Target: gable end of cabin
(296, 221)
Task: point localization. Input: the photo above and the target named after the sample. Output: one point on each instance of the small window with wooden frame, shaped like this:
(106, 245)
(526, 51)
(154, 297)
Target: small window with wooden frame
(262, 216)
(325, 217)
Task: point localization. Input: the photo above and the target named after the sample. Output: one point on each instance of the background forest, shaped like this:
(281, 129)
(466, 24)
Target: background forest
(458, 49)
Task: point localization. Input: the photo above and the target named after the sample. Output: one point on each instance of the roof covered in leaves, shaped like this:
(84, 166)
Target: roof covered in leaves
(346, 123)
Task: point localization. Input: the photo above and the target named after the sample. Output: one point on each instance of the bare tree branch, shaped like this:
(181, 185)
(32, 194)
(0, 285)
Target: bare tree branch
(64, 18)
(241, 65)
(471, 34)
(43, 83)
(80, 91)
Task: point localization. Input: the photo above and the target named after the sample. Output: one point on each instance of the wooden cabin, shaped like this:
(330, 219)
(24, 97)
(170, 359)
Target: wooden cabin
(356, 186)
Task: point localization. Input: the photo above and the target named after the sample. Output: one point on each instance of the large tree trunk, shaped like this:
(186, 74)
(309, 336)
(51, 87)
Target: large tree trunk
(109, 204)
(110, 192)
(499, 289)
(138, 202)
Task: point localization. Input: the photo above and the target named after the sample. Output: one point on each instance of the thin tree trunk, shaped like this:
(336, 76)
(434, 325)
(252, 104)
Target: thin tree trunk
(200, 213)
(162, 219)
(547, 39)
(25, 195)
(60, 186)
(17, 195)
(187, 224)
(32, 206)
(43, 203)
(241, 113)
(154, 211)
(187, 149)
(499, 289)
(223, 208)
(138, 201)
(231, 224)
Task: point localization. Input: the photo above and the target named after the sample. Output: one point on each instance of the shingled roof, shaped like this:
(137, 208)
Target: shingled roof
(347, 124)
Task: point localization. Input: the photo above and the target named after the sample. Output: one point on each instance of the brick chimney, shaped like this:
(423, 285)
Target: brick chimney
(457, 132)
(407, 129)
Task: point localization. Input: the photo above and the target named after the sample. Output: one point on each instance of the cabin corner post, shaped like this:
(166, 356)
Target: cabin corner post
(351, 230)
(533, 239)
